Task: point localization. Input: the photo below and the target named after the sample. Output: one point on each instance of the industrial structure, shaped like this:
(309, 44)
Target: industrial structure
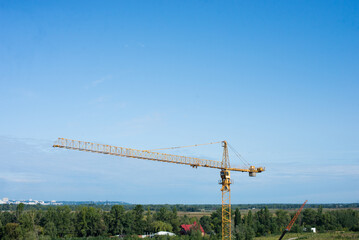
(224, 167)
(287, 229)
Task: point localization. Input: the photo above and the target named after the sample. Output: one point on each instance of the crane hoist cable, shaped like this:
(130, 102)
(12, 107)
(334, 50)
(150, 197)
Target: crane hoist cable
(239, 156)
(195, 145)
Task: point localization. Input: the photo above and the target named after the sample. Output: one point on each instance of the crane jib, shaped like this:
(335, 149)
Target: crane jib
(143, 154)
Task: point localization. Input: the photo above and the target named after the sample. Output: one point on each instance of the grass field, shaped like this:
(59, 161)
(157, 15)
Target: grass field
(289, 236)
(318, 236)
(194, 214)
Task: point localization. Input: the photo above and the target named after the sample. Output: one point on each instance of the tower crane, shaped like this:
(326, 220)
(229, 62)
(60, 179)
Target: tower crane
(224, 167)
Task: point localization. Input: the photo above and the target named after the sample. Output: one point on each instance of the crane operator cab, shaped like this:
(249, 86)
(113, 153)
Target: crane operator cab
(225, 177)
(225, 174)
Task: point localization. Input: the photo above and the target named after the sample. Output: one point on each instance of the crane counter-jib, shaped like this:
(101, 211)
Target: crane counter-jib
(144, 154)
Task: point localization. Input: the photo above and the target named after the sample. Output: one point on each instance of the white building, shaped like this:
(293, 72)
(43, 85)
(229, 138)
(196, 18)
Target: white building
(161, 233)
(4, 201)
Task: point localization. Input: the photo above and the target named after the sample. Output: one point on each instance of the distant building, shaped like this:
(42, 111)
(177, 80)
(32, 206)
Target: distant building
(187, 228)
(161, 233)
(28, 202)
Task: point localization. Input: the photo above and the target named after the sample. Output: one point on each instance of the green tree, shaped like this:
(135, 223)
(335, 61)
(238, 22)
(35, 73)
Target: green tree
(319, 219)
(216, 219)
(64, 221)
(195, 234)
(263, 222)
(1, 228)
(237, 217)
(50, 229)
(175, 221)
(59, 220)
(239, 232)
(19, 211)
(12, 231)
(149, 221)
(129, 222)
(96, 223)
(161, 226)
(163, 215)
(82, 223)
(89, 222)
(117, 215)
(205, 222)
(185, 219)
(7, 217)
(27, 224)
(249, 233)
(330, 221)
(139, 223)
(282, 219)
(249, 218)
(309, 217)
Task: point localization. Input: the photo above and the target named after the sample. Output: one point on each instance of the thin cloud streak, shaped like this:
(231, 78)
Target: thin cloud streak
(20, 177)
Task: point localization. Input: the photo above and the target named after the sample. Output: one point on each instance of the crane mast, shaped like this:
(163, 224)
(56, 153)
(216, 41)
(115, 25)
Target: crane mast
(226, 194)
(224, 166)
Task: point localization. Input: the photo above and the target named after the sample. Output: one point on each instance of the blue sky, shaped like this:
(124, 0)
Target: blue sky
(279, 80)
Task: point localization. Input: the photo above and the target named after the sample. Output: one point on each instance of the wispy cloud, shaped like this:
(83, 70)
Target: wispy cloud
(140, 124)
(98, 82)
(337, 170)
(100, 99)
(20, 177)
(106, 101)
(35, 168)
(24, 93)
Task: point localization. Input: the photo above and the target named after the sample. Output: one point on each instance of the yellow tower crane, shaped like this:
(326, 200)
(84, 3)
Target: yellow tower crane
(224, 166)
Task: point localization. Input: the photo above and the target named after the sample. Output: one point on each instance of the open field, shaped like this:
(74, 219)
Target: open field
(195, 214)
(288, 236)
(318, 236)
(244, 212)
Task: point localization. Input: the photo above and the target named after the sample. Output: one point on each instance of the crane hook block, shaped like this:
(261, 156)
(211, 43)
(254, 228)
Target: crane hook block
(252, 174)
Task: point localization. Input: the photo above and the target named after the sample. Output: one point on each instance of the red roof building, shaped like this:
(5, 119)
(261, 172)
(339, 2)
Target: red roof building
(187, 228)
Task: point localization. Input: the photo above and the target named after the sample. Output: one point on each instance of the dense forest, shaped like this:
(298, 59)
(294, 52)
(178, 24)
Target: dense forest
(106, 206)
(85, 221)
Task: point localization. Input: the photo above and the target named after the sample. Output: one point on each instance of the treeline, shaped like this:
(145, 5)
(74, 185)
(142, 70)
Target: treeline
(106, 206)
(263, 222)
(63, 222)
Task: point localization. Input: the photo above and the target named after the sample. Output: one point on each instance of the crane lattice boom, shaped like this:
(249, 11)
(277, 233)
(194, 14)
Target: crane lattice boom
(292, 221)
(144, 154)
